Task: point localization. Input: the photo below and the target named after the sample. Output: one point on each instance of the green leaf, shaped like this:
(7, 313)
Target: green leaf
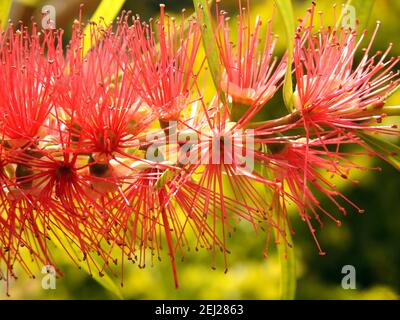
(286, 10)
(108, 10)
(388, 150)
(105, 281)
(202, 8)
(286, 253)
(165, 177)
(5, 6)
(363, 10)
(287, 260)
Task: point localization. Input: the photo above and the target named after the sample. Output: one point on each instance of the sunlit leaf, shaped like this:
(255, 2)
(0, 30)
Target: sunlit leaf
(388, 150)
(202, 8)
(286, 255)
(286, 10)
(165, 177)
(362, 10)
(108, 10)
(104, 279)
(5, 6)
(29, 3)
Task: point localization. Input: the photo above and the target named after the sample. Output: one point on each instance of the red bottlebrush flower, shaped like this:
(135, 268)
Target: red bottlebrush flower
(332, 90)
(162, 203)
(22, 224)
(22, 233)
(97, 95)
(252, 74)
(306, 169)
(51, 198)
(26, 83)
(225, 162)
(144, 218)
(77, 127)
(165, 71)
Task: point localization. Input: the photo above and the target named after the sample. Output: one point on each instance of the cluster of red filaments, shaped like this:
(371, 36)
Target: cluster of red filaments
(80, 170)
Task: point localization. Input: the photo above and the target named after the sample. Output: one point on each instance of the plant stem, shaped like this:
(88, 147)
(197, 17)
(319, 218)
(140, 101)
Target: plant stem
(290, 118)
(391, 111)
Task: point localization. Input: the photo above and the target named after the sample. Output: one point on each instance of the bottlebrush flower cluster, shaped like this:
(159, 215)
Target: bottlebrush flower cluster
(113, 154)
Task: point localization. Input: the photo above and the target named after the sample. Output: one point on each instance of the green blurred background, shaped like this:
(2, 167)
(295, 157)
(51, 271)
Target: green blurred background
(369, 242)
